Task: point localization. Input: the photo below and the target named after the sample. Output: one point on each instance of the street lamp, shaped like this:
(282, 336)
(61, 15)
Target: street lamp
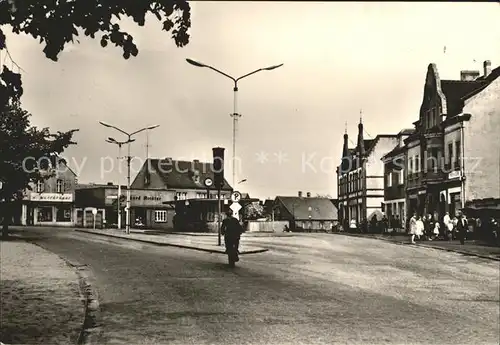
(128, 141)
(235, 114)
(119, 143)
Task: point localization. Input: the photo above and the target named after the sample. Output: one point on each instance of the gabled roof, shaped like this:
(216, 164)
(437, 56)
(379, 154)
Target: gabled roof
(456, 90)
(321, 208)
(183, 174)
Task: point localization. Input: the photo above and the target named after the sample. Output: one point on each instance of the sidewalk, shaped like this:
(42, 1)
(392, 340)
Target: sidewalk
(470, 248)
(202, 243)
(40, 296)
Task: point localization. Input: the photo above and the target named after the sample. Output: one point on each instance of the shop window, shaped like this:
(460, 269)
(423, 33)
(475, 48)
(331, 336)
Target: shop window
(63, 214)
(160, 216)
(45, 214)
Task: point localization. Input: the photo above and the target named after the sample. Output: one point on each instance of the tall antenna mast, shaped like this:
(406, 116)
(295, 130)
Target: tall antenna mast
(147, 144)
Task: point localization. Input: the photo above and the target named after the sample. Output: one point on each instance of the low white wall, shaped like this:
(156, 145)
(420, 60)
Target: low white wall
(266, 226)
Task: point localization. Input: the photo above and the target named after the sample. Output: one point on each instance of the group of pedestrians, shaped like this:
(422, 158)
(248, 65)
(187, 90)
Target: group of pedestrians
(428, 228)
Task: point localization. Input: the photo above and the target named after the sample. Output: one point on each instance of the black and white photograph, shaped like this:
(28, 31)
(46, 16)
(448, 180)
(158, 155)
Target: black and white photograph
(249, 172)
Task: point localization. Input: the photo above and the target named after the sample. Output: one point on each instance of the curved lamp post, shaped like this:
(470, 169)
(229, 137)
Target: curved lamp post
(235, 115)
(119, 194)
(128, 141)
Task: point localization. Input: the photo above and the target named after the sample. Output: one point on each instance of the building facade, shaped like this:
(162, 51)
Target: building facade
(360, 177)
(447, 162)
(147, 207)
(50, 202)
(305, 213)
(191, 199)
(395, 179)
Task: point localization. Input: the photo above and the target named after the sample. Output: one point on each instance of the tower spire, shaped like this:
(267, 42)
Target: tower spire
(345, 132)
(360, 115)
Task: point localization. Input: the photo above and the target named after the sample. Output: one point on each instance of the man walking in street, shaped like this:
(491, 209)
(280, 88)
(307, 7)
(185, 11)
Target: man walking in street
(462, 227)
(232, 230)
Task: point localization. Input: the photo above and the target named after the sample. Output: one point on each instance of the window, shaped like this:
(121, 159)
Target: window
(389, 180)
(201, 195)
(402, 176)
(417, 163)
(59, 186)
(410, 165)
(458, 153)
(45, 214)
(181, 195)
(450, 153)
(39, 186)
(160, 216)
(63, 214)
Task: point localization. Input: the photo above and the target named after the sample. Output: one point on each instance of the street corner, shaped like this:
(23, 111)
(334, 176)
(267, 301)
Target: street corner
(38, 289)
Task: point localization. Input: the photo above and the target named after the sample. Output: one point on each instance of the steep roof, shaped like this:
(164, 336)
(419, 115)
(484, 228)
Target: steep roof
(321, 208)
(183, 174)
(456, 90)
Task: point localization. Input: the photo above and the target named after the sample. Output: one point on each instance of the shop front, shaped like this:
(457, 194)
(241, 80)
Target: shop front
(48, 209)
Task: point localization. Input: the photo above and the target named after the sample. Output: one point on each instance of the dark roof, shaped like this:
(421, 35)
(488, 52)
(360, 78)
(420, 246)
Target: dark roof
(456, 90)
(181, 174)
(322, 208)
(368, 144)
(394, 152)
(492, 76)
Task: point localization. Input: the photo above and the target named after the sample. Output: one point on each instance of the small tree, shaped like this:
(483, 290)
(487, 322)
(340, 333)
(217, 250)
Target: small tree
(253, 211)
(21, 147)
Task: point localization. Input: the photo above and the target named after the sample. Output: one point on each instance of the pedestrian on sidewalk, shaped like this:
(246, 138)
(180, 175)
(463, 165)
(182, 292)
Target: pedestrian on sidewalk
(413, 228)
(462, 227)
(420, 227)
(447, 227)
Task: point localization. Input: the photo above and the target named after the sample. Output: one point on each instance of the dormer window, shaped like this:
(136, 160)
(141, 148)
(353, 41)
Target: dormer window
(39, 186)
(59, 186)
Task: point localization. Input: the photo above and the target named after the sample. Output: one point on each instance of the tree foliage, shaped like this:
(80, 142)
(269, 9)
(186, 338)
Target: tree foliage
(253, 211)
(21, 148)
(58, 22)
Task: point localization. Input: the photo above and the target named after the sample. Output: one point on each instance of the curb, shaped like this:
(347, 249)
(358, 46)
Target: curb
(220, 251)
(90, 326)
(245, 234)
(463, 252)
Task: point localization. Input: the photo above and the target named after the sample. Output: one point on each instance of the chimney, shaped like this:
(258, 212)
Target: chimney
(110, 183)
(300, 194)
(487, 68)
(469, 75)
(308, 194)
(196, 161)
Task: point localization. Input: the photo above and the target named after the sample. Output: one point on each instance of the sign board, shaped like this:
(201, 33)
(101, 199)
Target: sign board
(114, 197)
(51, 197)
(235, 196)
(455, 174)
(235, 207)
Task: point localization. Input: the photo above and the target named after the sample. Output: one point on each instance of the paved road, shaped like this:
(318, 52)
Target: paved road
(317, 289)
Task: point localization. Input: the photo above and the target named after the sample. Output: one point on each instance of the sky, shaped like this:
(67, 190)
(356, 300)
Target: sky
(339, 58)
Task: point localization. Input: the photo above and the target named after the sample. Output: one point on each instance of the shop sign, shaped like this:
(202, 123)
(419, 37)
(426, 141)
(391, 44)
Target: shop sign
(51, 197)
(454, 174)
